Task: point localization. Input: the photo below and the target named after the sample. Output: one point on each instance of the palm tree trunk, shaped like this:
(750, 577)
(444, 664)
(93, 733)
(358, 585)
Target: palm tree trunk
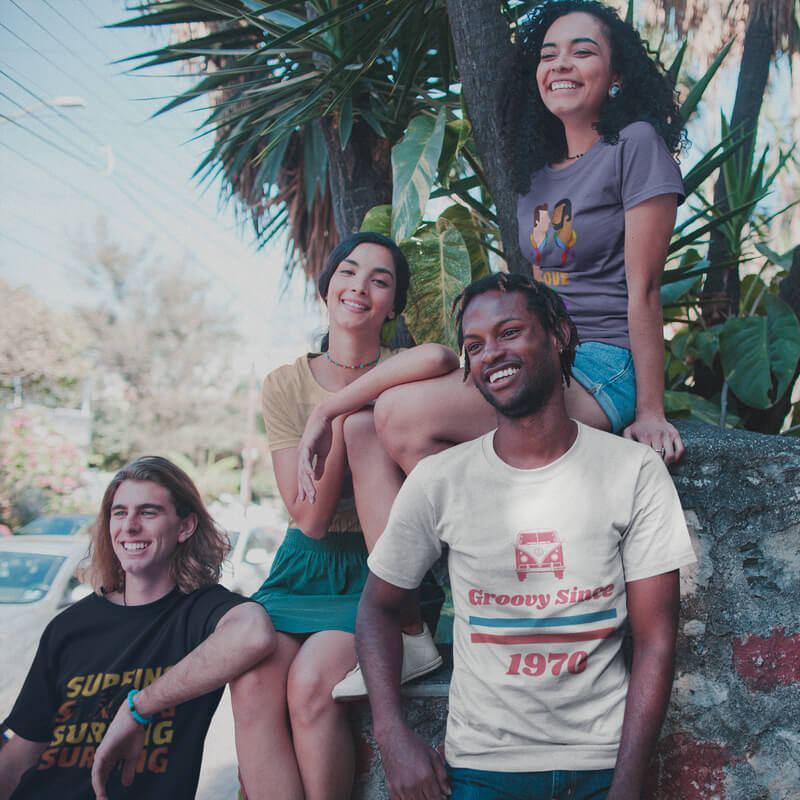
(723, 284)
(485, 56)
(360, 176)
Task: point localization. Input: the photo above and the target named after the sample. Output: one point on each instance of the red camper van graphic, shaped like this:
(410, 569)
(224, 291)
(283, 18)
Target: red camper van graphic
(539, 551)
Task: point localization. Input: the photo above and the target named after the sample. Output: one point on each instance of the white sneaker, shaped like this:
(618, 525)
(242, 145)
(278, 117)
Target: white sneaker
(420, 656)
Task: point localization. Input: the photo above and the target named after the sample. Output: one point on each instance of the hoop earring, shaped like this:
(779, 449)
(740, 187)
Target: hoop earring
(614, 90)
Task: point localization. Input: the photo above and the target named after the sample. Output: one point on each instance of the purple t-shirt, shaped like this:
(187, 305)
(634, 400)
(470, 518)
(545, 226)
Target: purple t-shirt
(572, 226)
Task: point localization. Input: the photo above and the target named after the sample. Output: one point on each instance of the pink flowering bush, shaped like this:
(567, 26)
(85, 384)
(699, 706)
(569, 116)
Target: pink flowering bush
(39, 469)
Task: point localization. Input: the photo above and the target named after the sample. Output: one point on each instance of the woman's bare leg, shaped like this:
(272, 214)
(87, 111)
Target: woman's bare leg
(376, 477)
(267, 762)
(323, 739)
(582, 406)
(417, 419)
(376, 481)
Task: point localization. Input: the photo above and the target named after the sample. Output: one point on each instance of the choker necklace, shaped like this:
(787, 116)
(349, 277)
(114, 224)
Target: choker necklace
(572, 158)
(352, 366)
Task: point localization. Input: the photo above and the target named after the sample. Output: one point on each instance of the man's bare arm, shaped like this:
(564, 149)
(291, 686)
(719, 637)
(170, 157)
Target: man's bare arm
(242, 638)
(653, 605)
(17, 756)
(414, 770)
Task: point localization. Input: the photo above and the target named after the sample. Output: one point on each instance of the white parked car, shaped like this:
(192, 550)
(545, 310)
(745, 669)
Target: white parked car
(250, 559)
(37, 580)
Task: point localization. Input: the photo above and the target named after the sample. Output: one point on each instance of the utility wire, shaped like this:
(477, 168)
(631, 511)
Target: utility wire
(58, 67)
(76, 29)
(137, 165)
(58, 41)
(32, 249)
(49, 172)
(47, 141)
(38, 119)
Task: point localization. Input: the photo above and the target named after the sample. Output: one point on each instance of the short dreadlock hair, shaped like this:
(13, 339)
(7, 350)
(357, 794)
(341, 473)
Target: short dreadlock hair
(539, 298)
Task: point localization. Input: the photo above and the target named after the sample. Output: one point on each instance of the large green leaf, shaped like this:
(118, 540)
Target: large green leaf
(707, 344)
(378, 220)
(784, 341)
(745, 359)
(756, 350)
(692, 100)
(468, 225)
(456, 134)
(315, 162)
(692, 406)
(671, 293)
(440, 269)
(414, 161)
(784, 261)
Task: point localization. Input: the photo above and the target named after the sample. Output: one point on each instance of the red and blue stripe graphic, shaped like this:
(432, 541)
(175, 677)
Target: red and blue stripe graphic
(551, 637)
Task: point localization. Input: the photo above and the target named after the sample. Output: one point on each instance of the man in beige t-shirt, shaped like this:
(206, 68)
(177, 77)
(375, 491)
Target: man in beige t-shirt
(558, 535)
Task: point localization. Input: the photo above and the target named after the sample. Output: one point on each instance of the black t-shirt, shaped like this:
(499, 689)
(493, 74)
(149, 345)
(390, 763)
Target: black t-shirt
(90, 656)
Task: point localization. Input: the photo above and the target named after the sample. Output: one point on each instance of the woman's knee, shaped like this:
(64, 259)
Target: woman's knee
(359, 431)
(308, 693)
(403, 435)
(261, 688)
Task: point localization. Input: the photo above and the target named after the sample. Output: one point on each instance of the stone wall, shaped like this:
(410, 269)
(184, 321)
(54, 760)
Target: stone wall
(733, 728)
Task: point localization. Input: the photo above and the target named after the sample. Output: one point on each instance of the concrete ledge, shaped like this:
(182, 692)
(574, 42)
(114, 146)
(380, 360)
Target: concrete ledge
(425, 706)
(732, 727)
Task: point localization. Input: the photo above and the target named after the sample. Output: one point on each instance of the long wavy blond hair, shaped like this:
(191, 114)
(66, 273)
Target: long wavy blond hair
(196, 562)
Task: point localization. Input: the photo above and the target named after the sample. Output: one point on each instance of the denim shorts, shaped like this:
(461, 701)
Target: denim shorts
(606, 372)
(476, 784)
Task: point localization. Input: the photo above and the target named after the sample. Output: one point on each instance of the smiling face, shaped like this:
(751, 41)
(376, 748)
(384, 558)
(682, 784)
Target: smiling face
(574, 72)
(145, 530)
(512, 360)
(362, 289)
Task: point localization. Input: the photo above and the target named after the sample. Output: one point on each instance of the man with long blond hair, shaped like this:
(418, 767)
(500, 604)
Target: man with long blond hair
(134, 672)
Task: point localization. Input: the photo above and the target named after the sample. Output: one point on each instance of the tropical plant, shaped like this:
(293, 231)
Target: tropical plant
(739, 371)
(307, 99)
(771, 27)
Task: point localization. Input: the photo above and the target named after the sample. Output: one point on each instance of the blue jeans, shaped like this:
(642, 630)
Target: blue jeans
(475, 784)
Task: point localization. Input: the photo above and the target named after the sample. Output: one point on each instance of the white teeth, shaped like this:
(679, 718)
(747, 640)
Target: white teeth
(133, 546)
(503, 373)
(563, 85)
(350, 303)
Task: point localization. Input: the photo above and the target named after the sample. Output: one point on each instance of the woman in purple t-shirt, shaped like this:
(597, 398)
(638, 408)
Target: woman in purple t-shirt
(596, 153)
(596, 211)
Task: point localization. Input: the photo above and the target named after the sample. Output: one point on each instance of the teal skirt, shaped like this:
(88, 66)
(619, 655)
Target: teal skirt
(315, 584)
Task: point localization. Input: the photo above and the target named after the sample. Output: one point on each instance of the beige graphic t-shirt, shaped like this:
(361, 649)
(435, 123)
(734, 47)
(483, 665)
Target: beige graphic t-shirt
(538, 563)
(288, 397)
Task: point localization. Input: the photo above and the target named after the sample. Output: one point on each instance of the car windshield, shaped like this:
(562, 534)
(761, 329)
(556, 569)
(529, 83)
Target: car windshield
(54, 526)
(27, 577)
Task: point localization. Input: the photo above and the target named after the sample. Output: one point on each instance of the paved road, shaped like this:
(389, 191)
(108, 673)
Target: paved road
(218, 775)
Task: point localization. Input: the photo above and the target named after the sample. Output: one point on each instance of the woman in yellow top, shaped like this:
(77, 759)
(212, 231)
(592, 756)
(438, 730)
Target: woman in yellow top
(315, 582)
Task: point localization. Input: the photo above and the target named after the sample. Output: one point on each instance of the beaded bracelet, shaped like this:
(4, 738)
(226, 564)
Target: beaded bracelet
(136, 715)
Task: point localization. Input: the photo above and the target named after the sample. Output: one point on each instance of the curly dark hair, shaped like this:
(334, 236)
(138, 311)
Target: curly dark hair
(647, 92)
(539, 298)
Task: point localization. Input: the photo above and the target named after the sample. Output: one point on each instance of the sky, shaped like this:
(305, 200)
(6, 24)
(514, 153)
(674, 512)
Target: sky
(78, 142)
